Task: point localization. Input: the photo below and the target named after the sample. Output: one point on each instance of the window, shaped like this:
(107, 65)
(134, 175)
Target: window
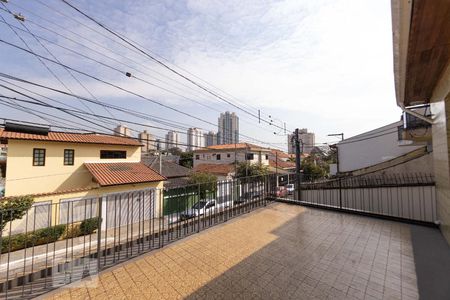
(267, 156)
(218, 157)
(250, 156)
(228, 155)
(38, 157)
(113, 154)
(197, 157)
(69, 155)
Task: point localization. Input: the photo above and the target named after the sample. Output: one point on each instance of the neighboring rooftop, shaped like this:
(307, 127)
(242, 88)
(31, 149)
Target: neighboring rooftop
(168, 168)
(238, 146)
(216, 169)
(122, 173)
(54, 136)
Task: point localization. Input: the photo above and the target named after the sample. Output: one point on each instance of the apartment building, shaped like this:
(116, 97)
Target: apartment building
(195, 139)
(122, 130)
(172, 140)
(147, 140)
(210, 139)
(308, 140)
(228, 128)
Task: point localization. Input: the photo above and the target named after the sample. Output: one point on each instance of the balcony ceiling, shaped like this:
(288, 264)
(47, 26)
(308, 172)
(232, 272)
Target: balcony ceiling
(428, 51)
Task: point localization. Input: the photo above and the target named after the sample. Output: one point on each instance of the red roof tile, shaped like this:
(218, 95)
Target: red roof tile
(88, 138)
(122, 173)
(217, 169)
(281, 164)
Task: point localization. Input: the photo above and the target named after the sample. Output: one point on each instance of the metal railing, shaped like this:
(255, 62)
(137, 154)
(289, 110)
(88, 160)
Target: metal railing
(408, 197)
(55, 244)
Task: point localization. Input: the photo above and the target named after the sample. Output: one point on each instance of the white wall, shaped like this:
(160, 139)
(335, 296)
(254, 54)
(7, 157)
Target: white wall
(208, 157)
(371, 148)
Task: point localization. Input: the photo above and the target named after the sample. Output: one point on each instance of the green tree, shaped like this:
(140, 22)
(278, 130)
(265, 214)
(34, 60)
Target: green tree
(207, 182)
(246, 169)
(187, 159)
(175, 151)
(14, 208)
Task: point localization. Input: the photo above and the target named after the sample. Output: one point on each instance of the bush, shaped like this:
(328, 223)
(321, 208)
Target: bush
(36, 238)
(88, 226)
(13, 209)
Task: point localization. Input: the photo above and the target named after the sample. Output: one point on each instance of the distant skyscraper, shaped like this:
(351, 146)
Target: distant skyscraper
(308, 139)
(172, 140)
(210, 139)
(147, 140)
(228, 125)
(122, 130)
(195, 139)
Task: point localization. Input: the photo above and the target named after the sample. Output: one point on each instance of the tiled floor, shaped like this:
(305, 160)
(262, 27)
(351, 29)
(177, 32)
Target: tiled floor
(278, 252)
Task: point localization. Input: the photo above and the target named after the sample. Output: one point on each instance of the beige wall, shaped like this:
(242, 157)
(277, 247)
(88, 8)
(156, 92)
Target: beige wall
(23, 178)
(206, 157)
(440, 108)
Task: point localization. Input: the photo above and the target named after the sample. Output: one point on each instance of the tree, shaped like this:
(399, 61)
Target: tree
(207, 182)
(175, 151)
(314, 167)
(14, 208)
(187, 159)
(246, 169)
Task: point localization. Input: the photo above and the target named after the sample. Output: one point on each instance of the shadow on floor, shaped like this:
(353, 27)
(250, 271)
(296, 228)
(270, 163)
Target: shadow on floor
(318, 254)
(432, 259)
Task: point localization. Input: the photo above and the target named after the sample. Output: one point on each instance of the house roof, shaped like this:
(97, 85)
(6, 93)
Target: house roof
(168, 168)
(281, 164)
(67, 137)
(216, 169)
(280, 154)
(122, 173)
(238, 146)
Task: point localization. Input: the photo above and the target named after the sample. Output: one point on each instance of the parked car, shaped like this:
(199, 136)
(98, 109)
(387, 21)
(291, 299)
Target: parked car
(281, 192)
(290, 188)
(201, 208)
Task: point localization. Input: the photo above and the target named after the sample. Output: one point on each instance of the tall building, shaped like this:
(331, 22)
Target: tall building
(228, 125)
(122, 130)
(308, 139)
(195, 139)
(210, 139)
(147, 140)
(172, 140)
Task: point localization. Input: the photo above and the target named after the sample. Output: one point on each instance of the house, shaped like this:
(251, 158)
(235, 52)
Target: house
(221, 171)
(379, 149)
(280, 162)
(59, 167)
(421, 41)
(231, 153)
(176, 174)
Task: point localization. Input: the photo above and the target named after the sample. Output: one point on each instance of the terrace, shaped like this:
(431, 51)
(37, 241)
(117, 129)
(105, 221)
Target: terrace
(352, 238)
(278, 252)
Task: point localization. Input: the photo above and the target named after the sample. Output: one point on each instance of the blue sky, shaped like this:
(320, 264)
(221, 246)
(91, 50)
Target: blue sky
(322, 65)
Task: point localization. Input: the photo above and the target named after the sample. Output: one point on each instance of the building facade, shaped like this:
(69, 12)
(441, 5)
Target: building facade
(210, 139)
(172, 140)
(308, 140)
(228, 128)
(195, 139)
(148, 141)
(122, 130)
(231, 153)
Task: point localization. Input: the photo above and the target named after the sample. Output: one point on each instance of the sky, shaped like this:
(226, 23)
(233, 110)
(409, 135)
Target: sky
(324, 65)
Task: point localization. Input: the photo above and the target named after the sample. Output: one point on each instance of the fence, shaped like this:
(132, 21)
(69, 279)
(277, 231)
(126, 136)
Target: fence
(409, 197)
(53, 245)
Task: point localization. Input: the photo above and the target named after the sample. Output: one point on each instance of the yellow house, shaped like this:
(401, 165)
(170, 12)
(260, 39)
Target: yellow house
(56, 167)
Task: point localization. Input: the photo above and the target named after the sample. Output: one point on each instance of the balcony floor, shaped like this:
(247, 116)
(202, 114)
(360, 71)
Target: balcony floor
(278, 252)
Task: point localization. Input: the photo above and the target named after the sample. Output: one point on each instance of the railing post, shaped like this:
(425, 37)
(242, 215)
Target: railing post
(99, 232)
(340, 193)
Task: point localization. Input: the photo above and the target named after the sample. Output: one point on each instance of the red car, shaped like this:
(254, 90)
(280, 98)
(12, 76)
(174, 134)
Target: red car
(281, 192)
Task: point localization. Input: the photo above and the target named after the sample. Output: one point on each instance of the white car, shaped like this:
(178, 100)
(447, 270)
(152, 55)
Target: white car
(290, 188)
(203, 207)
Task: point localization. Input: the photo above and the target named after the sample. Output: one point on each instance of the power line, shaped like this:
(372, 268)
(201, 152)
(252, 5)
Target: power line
(164, 64)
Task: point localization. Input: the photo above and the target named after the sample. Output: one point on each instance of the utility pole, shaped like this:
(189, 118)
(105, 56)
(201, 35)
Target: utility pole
(341, 135)
(297, 163)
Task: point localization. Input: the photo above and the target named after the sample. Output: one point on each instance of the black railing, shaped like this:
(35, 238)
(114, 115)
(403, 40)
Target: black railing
(55, 244)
